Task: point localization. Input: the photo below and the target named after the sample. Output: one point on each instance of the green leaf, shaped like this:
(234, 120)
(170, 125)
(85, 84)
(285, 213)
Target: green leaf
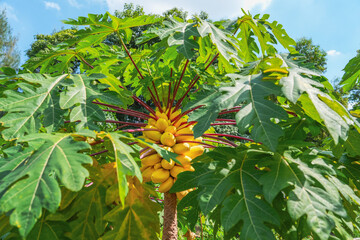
(125, 162)
(24, 107)
(352, 73)
(137, 220)
(224, 42)
(34, 179)
(256, 110)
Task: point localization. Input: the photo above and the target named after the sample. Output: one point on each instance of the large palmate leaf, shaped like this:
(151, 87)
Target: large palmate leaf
(125, 161)
(81, 94)
(224, 42)
(257, 111)
(352, 74)
(24, 108)
(312, 194)
(299, 81)
(233, 183)
(138, 219)
(182, 35)
(32, 178)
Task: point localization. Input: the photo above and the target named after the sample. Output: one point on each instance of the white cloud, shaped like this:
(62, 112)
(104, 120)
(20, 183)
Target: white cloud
(10, 13)
(74, 3)
(52, 5)
(216, 10)
(333, 53)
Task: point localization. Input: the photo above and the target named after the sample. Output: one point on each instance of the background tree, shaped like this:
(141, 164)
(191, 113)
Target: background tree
(313, 53)
(9, 55)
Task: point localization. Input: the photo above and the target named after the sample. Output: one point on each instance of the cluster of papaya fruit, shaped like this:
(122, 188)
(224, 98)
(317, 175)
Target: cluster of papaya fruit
(173, 133)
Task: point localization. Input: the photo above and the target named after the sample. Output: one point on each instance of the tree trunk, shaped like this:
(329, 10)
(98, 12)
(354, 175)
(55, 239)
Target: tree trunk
(170, 230)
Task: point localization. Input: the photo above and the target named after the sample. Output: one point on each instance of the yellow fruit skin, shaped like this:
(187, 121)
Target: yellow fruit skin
(176, 170)
(167, 165)
(175, 114)
(171, 129)
(195, 151)
(184, 160)
(181, 148)
(168, 149)
(180, 121)
(184, 138)
(166, 186)
(186, 130)
(160, 175)
(189, 168)
(147, 173)
(199, 139)
(152, 122)
(162, 124)
(157, 166)
(153, 135)
(168, 139)
(151, 160)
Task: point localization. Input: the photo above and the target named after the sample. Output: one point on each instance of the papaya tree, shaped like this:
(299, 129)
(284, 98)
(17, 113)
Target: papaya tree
(71, 167)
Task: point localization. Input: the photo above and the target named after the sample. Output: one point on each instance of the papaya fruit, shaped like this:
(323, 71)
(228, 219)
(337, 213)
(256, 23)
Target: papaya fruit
(160, 175)
(152, 121)
(167, 165)
(151, 160)
(184, 138)
(157, 166)
(179, 122)
(195, 151)
(153, 135)
(187, 130)
(181, 148)
(176, 170)
(168, 139)
(166, 186)
(147, 173)
(162, 124)
(175, 114)
(182, 194)
(171, 129)
(184, 160)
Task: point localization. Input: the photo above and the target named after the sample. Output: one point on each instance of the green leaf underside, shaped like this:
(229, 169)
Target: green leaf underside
(34, 178)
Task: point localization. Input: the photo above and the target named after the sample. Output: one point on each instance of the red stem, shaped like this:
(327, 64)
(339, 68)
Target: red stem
(132, 60)
(97, 153)
(157, 104)
(219, 142)
(230, 111)
(221, 139)
(157, 95)
(178, 83)
(225, 120)
(177, 118)
(145, 106)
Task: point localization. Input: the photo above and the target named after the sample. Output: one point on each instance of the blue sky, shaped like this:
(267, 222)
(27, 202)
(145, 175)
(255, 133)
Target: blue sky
(331, 24)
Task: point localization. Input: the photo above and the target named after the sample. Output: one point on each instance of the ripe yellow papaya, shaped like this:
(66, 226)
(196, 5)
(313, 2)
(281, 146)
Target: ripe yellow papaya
(195, 151)
(187, 130)
(162, 124)
(179, 122)
(151, 160)
(189, 168)
(184, 160)
(166, 186)
(153, 135)
(185, 138)
(168, 139)
(147, 173)
(157, 166)
(152, 121)
(162, 115)
(171, 129)
(176, 170)
(175, 114)
(167, 165)
(168, 149)
(181, 148)
(160, 175)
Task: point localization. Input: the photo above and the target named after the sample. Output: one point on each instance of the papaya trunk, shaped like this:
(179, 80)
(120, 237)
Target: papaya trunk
(170, 230)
